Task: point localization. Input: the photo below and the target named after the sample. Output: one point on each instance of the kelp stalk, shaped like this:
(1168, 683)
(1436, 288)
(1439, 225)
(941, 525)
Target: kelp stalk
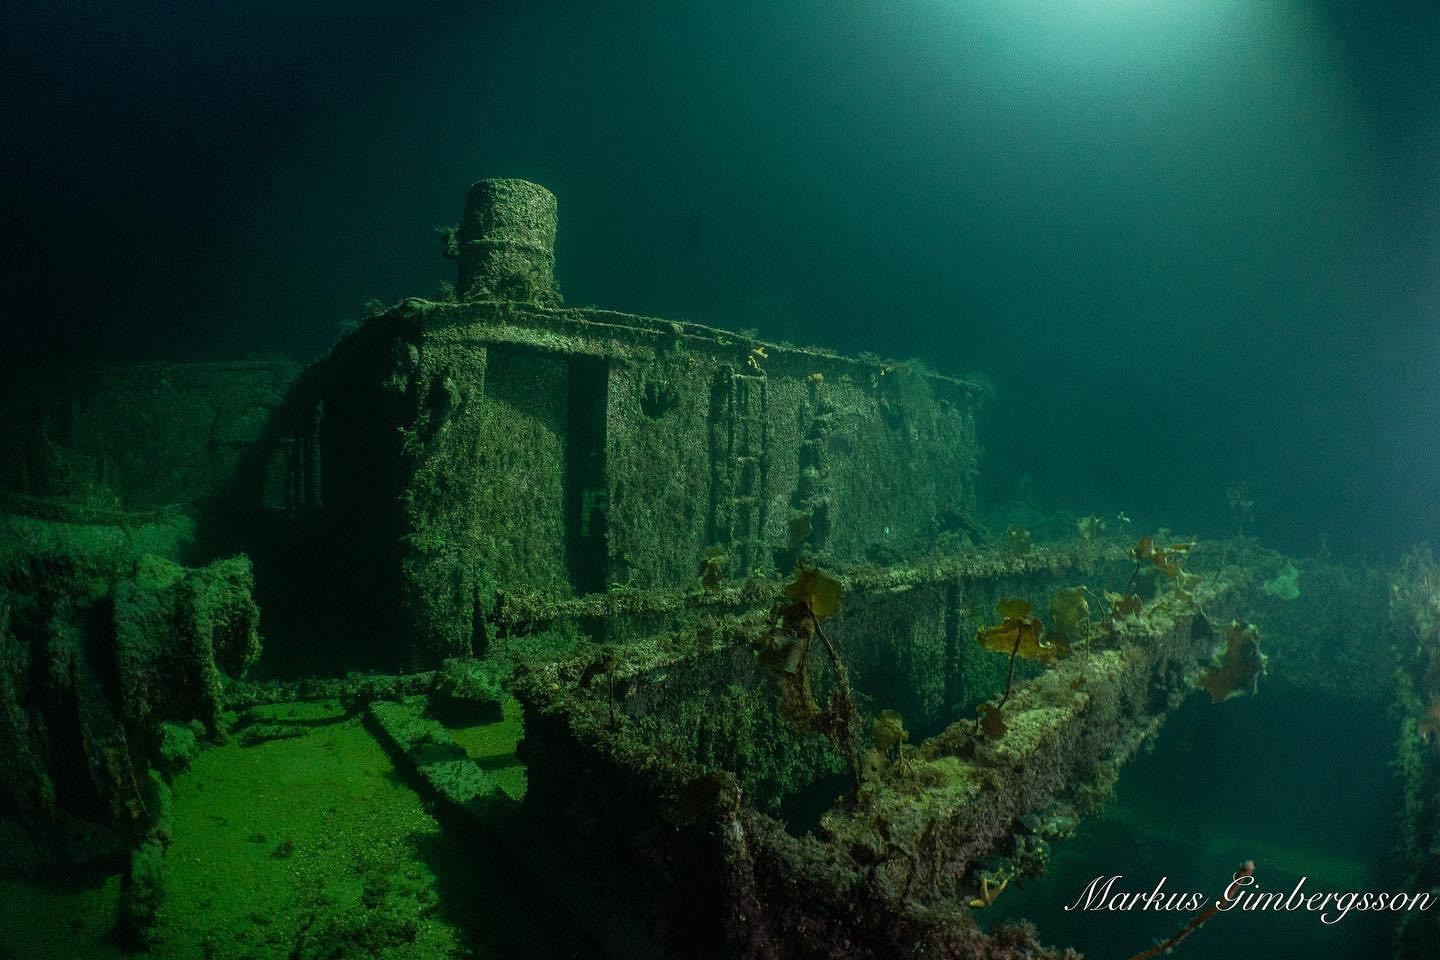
(1247, 869)
(1010, 677)
(847, 737)
(985, 711)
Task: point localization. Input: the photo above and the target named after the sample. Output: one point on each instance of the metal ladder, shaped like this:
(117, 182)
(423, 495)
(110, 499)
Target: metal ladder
(739, 457)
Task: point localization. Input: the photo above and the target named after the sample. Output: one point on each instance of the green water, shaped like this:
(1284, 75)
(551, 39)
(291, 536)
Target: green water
(1300, 783)
(1192, 244)
(316, 847)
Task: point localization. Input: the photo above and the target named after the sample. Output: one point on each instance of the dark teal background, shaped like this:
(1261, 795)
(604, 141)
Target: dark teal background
(1191, 243)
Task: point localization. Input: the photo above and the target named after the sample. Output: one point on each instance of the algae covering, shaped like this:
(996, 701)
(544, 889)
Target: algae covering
(310, 846)
(553, 453)
(594, 634)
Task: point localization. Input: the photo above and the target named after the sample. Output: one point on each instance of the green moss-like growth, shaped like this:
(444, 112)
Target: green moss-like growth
(737, 729)
(99, 651)
(143, 437)
(467, 692)
(178, 746)
(506, 242)
(553, 454)
(661, 468)
(486, 503)
(1323, 637)
(175, 629)
(443, 765)
(141, 892)
(1285, 585)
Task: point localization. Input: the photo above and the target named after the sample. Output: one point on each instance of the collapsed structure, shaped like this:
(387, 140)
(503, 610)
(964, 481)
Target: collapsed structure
(602, 511)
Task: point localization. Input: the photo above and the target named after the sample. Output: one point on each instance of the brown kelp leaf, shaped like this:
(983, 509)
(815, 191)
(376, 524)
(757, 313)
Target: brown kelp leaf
(1170, 559)
(888, 730)
(1021, 637)
(1238, 672)
(1020, 632)
(817, 589)
(1144, 549)
(1123, 604)
(1185, 584)
(992, 720)
(1070, 612)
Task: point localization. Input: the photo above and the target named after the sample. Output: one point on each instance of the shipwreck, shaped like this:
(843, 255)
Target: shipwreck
(784, 695)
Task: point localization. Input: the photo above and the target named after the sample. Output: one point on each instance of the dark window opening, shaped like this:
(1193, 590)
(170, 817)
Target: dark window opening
(586, 492)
